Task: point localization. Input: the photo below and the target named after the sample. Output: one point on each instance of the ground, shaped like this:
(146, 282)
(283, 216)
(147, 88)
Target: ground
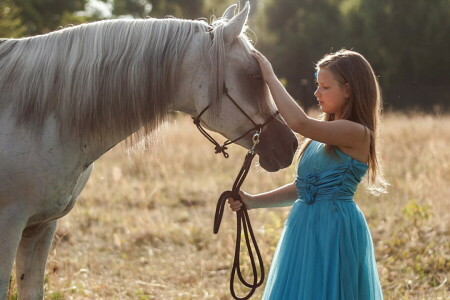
(142, 228)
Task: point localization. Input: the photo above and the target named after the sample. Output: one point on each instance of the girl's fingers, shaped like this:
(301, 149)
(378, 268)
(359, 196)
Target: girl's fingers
(257, 54)
(235, 205)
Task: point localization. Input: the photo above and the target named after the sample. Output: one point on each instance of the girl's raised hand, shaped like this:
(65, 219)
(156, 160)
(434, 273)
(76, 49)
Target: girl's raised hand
(265, 65)
(236, 205)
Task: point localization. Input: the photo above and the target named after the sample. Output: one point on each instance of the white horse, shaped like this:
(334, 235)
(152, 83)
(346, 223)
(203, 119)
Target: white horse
(69, 96)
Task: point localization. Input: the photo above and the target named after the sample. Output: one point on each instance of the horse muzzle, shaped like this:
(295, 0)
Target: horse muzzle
(277, 146)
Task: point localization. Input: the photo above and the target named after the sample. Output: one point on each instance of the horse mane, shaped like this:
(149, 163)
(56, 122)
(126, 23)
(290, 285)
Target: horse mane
(109, 75)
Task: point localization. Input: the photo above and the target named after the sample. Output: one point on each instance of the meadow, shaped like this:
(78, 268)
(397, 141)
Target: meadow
(142, 228)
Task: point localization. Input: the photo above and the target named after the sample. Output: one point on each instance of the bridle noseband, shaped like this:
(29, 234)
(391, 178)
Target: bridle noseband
(242, 218)
(222, 148)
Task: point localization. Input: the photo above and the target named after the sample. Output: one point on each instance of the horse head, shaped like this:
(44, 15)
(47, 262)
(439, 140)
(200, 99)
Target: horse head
(230, 95)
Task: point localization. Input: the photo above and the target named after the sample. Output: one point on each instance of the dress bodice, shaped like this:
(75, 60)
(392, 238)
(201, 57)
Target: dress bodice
(327, 174)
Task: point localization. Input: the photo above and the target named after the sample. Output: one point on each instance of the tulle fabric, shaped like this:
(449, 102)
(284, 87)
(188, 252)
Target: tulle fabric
(325, 250)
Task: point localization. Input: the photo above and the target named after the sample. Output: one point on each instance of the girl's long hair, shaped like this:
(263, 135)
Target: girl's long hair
(363, 106)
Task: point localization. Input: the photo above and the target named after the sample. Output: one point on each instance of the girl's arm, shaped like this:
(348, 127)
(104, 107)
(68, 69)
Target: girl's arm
(279, 197)
(342, 133)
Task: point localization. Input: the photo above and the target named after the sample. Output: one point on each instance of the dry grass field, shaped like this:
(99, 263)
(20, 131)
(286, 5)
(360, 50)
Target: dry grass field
(142, 228)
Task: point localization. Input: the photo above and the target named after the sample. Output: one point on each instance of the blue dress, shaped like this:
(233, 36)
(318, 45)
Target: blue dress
(325, 251)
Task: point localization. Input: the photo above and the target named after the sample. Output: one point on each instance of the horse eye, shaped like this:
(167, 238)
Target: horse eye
(256, 76)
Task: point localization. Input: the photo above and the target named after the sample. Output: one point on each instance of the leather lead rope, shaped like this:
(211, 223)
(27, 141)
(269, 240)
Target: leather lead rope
(243, 222)
(242, 218)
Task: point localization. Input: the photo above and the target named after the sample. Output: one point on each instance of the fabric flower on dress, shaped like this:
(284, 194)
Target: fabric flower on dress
(308, 188)
(310, 194)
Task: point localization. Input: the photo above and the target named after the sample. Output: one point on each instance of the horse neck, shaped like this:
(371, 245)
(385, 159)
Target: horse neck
(94, 148)
(183, 102)
(101, 89)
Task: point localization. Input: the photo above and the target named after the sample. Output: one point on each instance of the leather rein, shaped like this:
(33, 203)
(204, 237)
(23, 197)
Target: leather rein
(242, 218)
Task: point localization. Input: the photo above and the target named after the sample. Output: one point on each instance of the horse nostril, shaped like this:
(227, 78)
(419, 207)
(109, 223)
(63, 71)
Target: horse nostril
(295, 145)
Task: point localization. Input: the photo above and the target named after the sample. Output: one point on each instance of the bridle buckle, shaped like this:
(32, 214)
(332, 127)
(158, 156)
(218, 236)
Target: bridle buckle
(255, 139)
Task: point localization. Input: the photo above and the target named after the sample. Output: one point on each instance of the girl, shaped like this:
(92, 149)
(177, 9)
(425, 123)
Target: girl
(326, 250)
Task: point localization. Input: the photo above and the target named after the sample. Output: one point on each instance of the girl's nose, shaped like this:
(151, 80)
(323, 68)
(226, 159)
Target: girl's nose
(316, 92)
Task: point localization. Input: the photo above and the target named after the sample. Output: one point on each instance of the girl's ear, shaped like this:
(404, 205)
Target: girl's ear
(347, 90)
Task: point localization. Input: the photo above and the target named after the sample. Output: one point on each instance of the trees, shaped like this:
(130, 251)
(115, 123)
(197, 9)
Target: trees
(301, 32)
(42, 16)
(158, 8)
(10, 22)
(405, 40)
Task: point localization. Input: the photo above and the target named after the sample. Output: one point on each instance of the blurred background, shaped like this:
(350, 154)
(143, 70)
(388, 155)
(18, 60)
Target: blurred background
(406, 41)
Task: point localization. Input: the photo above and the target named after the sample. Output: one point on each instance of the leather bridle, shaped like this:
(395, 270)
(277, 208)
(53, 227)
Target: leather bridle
(222, 148)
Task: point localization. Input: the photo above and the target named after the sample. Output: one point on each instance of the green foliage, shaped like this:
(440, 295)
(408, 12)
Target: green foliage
(415, 212)
(134, 8)
(183, 9)
(10, 23)
(415, 251)
(42, 16)
(158, 8)
(406, 41)
(302, 32)
(12, 289)
(13, 297)
(73, 19)
(57, 296)
(403, 30)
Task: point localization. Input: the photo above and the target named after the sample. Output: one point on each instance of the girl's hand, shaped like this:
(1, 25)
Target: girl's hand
(265, 65)
(236, 205)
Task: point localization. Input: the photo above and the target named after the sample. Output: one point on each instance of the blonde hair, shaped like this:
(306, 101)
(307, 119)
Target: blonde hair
(363, 106)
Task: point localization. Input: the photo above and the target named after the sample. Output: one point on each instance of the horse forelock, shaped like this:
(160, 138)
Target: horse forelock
(94, 77)
(218, 62)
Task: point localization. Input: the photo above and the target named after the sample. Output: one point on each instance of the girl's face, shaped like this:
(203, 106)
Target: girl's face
(331, 95)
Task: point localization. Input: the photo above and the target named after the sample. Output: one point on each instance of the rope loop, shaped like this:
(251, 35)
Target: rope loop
(242, 224)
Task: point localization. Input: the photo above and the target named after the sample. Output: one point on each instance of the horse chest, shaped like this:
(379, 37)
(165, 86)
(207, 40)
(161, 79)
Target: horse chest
(42, 178)
(42, 190)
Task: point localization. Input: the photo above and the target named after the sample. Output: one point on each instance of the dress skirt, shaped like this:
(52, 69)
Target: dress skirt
(325, 253)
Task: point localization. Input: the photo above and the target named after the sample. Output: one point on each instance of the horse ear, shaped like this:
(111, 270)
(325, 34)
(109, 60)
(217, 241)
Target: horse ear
(229, 12)
(235, 26)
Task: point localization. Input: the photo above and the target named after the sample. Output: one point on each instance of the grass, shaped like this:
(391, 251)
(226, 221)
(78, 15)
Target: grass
(142, 228)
